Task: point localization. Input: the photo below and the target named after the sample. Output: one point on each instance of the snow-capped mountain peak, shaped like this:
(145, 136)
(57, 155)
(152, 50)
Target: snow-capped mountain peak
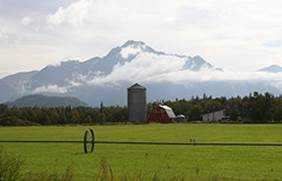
(132, 48)
(272, 69)
(197, 63)
(132, 61)
(199, 59)
(133, 43)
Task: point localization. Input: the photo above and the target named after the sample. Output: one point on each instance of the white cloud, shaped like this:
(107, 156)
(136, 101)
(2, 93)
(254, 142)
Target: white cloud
(131, 73)
(143, 68)
(213, 28)
(232, 34)
(74, 14)
(3, 33)
(2, 75)
(152, 68)
(27, 21)
(129, 51)
(51, 89)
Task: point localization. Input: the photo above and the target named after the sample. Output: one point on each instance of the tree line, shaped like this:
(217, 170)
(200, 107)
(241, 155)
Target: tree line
(60, 115)
(254, 108)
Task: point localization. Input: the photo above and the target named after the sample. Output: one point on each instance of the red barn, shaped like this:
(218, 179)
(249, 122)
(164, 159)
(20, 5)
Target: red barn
(162, 114)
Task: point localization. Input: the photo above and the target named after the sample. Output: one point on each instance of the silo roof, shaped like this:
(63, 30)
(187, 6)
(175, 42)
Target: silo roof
(137, 86)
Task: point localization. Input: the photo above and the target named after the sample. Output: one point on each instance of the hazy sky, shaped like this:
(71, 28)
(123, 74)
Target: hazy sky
(239, 35)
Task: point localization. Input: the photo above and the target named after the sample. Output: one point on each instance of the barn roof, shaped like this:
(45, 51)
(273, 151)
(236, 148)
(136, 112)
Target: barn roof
(137, 86)
(168, 110)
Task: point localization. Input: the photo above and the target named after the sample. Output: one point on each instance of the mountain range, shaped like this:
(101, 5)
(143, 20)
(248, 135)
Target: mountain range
(46, 101)
(166, 75)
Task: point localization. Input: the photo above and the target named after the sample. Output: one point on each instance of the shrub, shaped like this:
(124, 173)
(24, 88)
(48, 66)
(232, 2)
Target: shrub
(13, 121)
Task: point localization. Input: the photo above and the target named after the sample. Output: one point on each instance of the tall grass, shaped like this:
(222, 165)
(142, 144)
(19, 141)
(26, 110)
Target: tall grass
(68, 175)
(10, 166)
(11, 169)
(106, 173)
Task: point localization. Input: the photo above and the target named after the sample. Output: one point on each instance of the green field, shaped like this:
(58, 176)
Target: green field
(200, 163)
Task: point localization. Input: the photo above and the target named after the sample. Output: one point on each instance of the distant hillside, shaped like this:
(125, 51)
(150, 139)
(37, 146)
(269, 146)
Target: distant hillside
(46, 101)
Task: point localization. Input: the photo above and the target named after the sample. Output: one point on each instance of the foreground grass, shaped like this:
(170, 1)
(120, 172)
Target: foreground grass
(248, 163)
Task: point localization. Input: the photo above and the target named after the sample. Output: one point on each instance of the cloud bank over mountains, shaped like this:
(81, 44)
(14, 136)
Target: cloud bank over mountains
(141, 63)
(167, 76)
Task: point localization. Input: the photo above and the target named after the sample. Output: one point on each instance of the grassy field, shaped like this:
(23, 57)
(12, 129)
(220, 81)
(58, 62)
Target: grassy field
(200, 163)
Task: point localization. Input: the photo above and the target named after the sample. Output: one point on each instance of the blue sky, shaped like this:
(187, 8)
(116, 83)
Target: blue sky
(238, 35)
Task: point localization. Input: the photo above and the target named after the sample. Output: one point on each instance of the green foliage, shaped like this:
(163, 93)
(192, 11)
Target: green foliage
(10, 167)
(130, 161)
(255, 108)
(60, 115)
(106, 174)
(68, 175)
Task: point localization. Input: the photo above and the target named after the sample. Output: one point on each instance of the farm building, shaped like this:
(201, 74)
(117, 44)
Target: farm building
(137, 103)
(180, 118)
(162, 114)
(214, 116)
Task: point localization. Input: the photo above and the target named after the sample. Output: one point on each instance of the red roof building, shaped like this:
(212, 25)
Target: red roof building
(161, 114)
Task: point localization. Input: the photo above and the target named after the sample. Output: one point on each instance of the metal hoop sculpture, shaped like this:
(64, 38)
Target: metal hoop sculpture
(89, 141)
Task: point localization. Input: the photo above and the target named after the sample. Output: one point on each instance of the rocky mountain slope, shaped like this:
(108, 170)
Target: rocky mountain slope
(106, 78)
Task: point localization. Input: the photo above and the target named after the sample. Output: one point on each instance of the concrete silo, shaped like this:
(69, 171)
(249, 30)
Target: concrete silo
(137, 103)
